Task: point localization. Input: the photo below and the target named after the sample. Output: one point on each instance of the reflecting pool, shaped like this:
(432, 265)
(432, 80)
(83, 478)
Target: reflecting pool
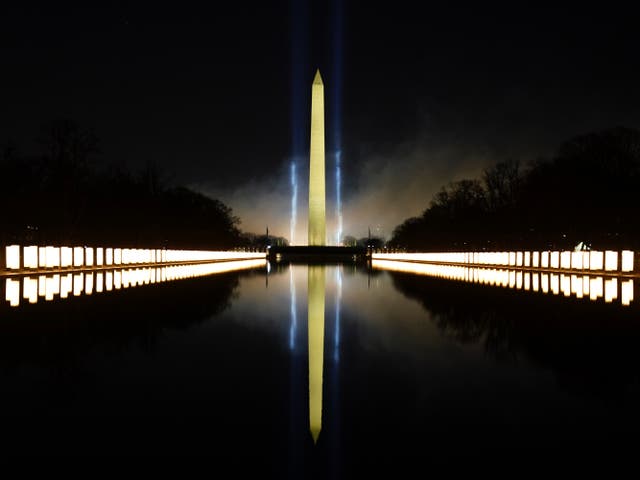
(319, 371)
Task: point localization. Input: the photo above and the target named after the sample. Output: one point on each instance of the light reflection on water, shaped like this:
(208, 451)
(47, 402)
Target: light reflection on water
(401, 360)
(48, 287)
(609, 288)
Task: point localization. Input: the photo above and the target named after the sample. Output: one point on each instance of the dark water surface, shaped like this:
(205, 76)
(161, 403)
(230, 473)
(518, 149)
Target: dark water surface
(404, 371)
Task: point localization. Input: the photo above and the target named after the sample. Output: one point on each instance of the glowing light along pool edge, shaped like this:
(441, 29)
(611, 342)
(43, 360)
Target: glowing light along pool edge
(593, 261)
(33, 258)
(76, 284)
(582, 286)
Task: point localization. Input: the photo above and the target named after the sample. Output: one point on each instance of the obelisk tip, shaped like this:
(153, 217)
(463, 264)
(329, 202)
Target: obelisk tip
(317, 80)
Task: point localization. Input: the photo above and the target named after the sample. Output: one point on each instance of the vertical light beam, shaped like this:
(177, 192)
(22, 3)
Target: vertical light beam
(338, 199)
(300, 42)
(294, 203)
(336, 95)
(293, 310)
(336, 334)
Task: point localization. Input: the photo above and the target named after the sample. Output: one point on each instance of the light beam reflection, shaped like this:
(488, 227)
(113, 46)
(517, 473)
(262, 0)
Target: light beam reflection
(336, 334)
(293, 310)
(294, 203)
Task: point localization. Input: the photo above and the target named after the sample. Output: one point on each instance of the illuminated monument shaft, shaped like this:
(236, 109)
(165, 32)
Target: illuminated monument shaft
(317, 214)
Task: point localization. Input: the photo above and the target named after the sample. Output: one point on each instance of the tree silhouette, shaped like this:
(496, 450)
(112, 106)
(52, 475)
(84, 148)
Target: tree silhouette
(585, 193)
(61, 197)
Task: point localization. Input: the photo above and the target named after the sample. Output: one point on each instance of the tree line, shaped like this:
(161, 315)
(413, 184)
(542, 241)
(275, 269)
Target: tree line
(586, 193)
(60, 196)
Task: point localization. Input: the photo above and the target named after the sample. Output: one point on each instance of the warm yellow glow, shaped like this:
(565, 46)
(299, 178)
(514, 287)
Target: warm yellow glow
(555, 283)
(317, 213)
(544, 282)
(544, 260)
(316, 287)
(566, 260)
(88, 283)
(30, 289)
(565, 285)
(12, 257)
(66, 285)
(626, 292)
(176, 256)
(610, 261)
(596, 260)
(83, 282)
(12, 292)
(576, 260)
(88, 256)
(585, 284)
(626, 261)
(78, 284)
(536, 259)
(78, 256)
(610, 289)
(126, 278)
(595, 288)
(42, 286)
(51, 285)
(30, 257)
(53, 257)
(576, 286)
(66, 256)
(34, 257)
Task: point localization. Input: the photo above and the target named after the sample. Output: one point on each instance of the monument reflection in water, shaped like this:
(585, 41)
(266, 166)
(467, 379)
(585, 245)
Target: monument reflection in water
(199, 366)
(316, 291)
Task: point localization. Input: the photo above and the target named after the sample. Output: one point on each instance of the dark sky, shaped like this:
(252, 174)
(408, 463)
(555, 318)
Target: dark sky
(417, 93)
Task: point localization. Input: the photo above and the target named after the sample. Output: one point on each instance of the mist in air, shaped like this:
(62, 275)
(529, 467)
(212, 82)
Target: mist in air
(385, 189)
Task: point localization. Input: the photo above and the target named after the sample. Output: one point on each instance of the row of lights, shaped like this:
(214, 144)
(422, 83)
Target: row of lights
(34, 257)
(582, 286)
(63, 285)
(610, 261)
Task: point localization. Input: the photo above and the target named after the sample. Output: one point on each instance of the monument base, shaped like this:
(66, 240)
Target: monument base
(317, 254)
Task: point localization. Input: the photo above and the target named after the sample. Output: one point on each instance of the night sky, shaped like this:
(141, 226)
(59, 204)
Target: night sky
(415, 96)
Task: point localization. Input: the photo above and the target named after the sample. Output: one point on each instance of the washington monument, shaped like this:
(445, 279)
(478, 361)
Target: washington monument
(317, 214)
